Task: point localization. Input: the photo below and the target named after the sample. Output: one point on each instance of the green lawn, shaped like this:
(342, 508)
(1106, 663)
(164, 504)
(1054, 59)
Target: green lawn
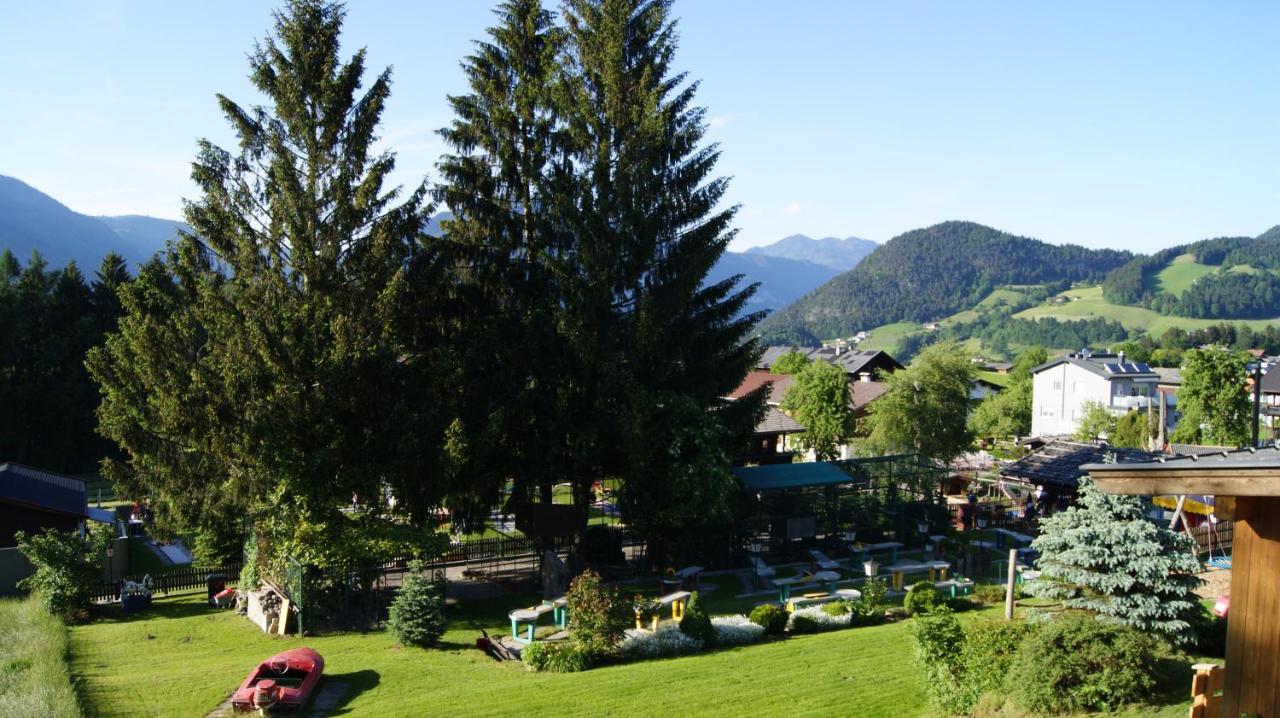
(33, 670)
(183, 659)
(995, 377)
(1181, 273)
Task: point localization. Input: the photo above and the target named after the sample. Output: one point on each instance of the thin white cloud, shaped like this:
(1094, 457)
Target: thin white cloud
(793, 208)
(720, 120)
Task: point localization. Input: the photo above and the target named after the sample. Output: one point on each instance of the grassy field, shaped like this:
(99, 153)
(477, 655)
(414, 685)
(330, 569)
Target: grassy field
(1087, 302)
(183, 659)
(995, 377)
(33, 670)
(1181, 273)
(886, 337)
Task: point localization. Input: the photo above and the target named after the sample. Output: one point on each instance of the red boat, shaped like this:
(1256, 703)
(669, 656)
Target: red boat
(284, 681)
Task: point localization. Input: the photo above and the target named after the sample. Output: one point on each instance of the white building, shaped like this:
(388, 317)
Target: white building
(1061, 387)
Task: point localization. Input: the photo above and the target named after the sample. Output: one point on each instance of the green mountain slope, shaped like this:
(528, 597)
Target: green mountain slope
(929, 273)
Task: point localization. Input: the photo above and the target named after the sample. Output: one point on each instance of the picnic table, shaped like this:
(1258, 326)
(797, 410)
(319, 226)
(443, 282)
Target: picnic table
(689, 576)
(898, 570)
(677, 600)
(821, 561)
(866, 548)
(808, 579)
(526, 619)
(957, 586)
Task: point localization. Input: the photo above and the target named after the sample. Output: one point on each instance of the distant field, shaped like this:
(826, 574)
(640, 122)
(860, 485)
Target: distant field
(1087, 302)
(886, 337)
(1181, 273)
(1001, 380)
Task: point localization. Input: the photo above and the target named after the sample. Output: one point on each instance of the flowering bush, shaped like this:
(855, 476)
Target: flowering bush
(815, 620)
(736, 630)
(668, 640)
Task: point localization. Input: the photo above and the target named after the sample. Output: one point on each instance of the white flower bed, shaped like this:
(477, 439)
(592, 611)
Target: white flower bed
(736, 630)
(823, 620)
(666, 641)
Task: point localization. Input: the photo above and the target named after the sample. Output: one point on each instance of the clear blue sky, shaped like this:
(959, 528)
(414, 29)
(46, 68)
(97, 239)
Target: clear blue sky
(1131, 125)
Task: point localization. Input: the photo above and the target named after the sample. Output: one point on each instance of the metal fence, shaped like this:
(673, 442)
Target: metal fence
(176, 579)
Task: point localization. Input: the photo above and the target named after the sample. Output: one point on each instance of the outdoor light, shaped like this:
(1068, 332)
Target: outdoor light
(872, 568)
(923, 526)
(756, 545)
(850, 535)
(982, 522)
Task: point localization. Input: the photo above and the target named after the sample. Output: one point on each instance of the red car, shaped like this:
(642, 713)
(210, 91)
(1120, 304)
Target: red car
(284, 681)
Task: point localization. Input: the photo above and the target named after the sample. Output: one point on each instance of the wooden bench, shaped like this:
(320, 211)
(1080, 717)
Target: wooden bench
(957, 587)
(785, 585)
(762, 570)
(689, 576)
(821, 561)
(899, 570)
(677, 600)
(526, 619)
(865, 549)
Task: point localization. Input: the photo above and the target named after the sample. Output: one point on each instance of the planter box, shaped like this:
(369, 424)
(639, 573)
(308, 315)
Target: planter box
(134, 603)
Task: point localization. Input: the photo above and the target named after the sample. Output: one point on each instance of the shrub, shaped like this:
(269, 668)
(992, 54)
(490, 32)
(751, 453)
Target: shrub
(417, 613)
(873, 592)
(603, 545)
(696, 623)
(557, 657)
(736, 630)
(1079, 663)
(67, 567)
(771, 617)
(597, 618)
(990, 594)
(939, 645)
(923, 598)
(1211, 635)
(838, 608)
(989, 649)
(668, 640)
(815, 620)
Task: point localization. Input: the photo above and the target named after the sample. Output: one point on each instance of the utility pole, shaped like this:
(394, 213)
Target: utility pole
(1257, 399)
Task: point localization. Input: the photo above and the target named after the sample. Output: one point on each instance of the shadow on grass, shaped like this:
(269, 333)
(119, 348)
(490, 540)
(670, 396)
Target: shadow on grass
(178, 607)
(357, 682)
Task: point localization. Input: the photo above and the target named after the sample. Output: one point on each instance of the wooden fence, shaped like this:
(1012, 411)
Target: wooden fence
(177, 579)
(1217, 537)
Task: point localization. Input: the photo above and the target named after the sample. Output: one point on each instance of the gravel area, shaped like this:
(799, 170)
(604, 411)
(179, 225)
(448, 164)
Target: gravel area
(1217, 582)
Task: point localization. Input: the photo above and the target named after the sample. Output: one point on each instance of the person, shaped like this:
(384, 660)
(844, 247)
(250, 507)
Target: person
(1029, 508)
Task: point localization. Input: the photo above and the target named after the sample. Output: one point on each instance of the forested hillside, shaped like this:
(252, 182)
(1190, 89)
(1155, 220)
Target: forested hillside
(1230, 278)
(929, 273)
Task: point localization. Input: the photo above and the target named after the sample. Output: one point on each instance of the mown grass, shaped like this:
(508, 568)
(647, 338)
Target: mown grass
(34, 680)
(1087, 302)
(1181, 273)
(183, 659)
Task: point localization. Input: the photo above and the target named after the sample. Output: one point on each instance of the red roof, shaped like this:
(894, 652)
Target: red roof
(755, 379)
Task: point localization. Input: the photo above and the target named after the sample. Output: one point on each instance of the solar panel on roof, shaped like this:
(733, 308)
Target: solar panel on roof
(1143, 367)
(1112, 368)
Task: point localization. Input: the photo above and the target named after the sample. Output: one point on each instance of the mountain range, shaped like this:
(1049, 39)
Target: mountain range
(32, 220)
(831, 252)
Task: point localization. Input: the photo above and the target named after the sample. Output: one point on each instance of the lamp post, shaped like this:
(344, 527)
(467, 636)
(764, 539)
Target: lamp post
(923, 528)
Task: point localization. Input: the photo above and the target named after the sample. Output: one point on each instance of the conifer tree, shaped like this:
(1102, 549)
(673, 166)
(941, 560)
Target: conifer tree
(647, 227)
(1102, 555)
(417, 613)
(496, 183)
(261, 363)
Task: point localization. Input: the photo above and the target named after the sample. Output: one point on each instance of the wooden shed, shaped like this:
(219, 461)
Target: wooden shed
(1246, 484)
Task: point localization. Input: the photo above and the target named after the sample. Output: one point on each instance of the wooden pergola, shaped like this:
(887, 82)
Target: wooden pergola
(1246, 484)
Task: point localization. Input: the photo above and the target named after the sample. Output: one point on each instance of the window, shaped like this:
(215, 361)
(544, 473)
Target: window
(1057, 386)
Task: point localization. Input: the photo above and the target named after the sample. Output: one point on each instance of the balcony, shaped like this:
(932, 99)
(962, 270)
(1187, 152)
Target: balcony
(1125, 403)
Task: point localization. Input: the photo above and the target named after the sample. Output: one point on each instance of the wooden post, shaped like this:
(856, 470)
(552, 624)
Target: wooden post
(1008, 589)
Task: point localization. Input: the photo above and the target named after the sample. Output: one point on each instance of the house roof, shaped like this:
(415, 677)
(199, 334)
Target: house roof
(776, 422)
(779, 383)
(1107, 366)
(42, 489)
(853, 361)
(862, 393)
(1060, 462)
(1169, 375)
(773, 477)
(1271, 382)
(1240, 472)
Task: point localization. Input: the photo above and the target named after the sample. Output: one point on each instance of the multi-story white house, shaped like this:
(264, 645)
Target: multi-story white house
(1061, 387)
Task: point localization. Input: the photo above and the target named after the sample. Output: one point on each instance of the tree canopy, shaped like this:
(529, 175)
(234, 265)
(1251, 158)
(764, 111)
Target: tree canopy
(925, 408)
(1215, 406)
(820, 400)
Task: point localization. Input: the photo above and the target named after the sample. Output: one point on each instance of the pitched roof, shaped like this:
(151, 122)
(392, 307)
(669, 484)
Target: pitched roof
(772, 477)
(1107, 366)
(757, 378)
(1060, 462)
(1271, 382)
(776, 422)
(862, 393)
(1169, 375)
(42, 489)
(852, 361)
(1264, 458)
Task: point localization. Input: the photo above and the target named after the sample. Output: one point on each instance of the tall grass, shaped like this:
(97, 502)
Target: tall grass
(33, 662)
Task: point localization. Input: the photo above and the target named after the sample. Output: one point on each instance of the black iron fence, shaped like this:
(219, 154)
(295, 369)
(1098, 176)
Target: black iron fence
(178, 578)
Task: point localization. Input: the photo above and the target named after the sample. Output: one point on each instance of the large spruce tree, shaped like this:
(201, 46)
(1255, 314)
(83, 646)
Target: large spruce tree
(258, 368)
(648, 225)
(503, 237)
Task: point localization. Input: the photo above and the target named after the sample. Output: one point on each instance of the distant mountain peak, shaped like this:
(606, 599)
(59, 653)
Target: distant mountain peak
(833, 252)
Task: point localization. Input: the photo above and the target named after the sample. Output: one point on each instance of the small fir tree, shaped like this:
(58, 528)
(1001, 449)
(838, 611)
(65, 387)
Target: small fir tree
(696, 623)
(1103, 555)
(417, 614)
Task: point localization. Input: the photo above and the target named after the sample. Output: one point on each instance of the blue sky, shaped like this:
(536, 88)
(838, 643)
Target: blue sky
(1129, 125)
